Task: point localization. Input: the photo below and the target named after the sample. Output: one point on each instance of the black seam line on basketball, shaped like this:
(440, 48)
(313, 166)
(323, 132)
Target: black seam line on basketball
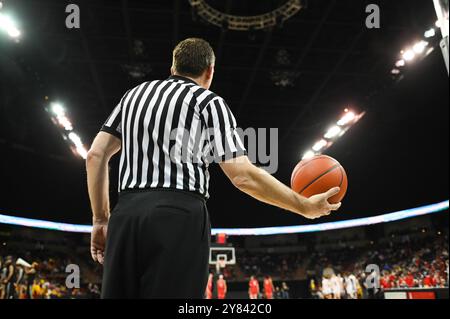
(342, 176)
(313, 159)
(318, 158)
(315, 179)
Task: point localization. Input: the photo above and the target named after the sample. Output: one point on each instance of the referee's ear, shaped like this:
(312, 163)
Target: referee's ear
(208, 76)
(172, 71)
(210, 72)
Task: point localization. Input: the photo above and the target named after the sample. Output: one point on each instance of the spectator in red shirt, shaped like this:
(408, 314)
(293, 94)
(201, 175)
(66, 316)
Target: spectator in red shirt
(384, 282)
(409, 280)
(428, 281)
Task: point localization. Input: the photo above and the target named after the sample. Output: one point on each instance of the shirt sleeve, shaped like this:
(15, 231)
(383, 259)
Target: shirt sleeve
(113, 123)
(223, 139)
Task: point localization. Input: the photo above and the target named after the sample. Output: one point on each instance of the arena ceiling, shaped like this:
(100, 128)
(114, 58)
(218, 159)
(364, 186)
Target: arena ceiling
(297, 77)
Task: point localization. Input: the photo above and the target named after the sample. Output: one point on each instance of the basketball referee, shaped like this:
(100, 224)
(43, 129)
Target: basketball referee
(155, 243)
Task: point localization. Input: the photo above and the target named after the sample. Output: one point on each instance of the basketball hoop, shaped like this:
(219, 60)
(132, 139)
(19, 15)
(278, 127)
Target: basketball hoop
(220, 257)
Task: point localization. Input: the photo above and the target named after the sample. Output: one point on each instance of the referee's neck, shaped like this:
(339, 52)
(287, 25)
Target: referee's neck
(196, 80)
(203, 80)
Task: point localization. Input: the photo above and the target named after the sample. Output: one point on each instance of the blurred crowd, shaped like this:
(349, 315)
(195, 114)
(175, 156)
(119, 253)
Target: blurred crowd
(334, 269)
(281, 266)
(42, 279)
(414, 263)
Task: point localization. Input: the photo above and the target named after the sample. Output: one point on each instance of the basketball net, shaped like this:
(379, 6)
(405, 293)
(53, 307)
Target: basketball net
(220, 264)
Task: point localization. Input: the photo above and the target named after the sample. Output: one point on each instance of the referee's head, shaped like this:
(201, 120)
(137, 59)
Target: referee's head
(194, 58)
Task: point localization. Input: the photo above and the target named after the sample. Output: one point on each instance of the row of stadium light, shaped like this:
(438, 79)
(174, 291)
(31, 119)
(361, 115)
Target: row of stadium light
(8, 25)
(417, 51)
(57, 112)
(60, 119)
(347, 120)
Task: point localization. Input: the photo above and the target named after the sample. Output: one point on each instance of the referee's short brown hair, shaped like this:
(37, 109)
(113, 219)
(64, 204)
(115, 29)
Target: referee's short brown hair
(192, 56)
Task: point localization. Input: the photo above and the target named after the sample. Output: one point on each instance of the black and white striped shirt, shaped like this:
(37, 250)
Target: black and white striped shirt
(171, 130)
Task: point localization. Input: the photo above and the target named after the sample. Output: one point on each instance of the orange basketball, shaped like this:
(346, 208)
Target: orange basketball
(317, 175)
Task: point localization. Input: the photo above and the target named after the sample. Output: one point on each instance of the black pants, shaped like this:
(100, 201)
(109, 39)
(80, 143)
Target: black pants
(10, 291)
(157, 246)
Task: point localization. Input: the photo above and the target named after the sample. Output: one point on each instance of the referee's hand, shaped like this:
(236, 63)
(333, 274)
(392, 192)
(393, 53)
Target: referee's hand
(98, 241)
(319, 206)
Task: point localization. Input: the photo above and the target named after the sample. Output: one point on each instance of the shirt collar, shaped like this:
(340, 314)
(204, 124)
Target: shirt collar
(182, 78)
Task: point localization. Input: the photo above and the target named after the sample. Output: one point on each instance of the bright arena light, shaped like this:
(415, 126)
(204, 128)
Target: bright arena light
(408, 55)
(333, 132)
(319, 145)
(347, 118)
(79, 147)
(57, 109)
(400, 63)
(75, 139)
(429, 33)
(8, 25)
(59, 117)
(416, 51)
(65, 122)
(82, 151)
(308, 155)
(420, 46)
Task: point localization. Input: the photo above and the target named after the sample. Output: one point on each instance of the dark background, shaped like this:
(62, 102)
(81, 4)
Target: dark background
(396, 157)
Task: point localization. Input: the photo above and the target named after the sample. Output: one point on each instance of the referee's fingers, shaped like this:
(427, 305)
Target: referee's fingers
(100, 256)
(93, 254)
(333, 191)
(335, 206)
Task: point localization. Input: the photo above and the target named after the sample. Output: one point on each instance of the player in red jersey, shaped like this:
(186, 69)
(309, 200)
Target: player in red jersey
(253, 288)
(209, 287)
(221, 288)
(268, 287)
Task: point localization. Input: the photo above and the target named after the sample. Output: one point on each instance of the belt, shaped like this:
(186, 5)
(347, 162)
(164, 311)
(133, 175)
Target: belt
(164, 189)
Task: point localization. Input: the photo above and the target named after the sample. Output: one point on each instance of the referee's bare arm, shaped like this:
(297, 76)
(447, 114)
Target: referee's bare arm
(261, 185)
(103, 148)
